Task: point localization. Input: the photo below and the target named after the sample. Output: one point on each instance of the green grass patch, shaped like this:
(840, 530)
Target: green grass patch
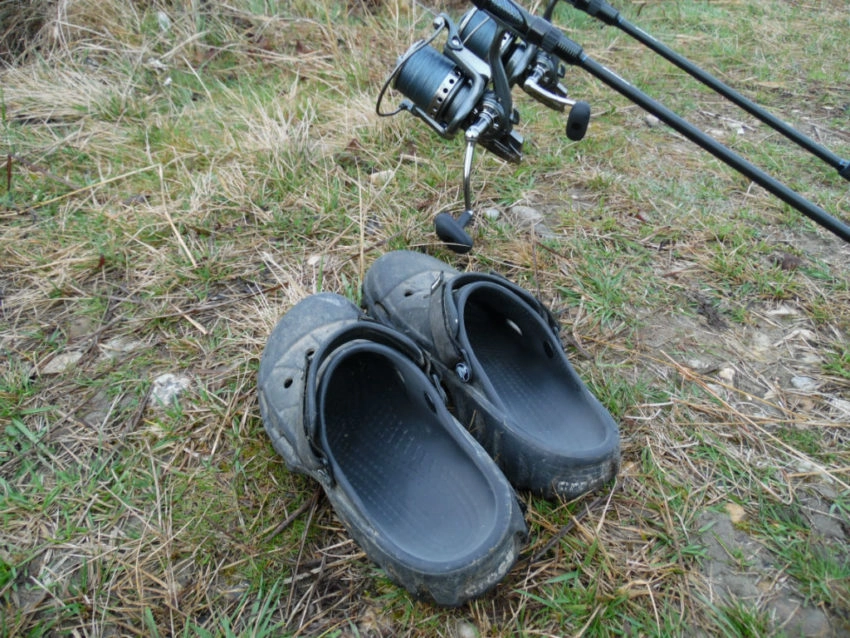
(175, 176)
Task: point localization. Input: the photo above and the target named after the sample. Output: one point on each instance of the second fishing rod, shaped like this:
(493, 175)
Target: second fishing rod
(606, 13)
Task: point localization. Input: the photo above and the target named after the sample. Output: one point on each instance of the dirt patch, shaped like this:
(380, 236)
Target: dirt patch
(739, 570)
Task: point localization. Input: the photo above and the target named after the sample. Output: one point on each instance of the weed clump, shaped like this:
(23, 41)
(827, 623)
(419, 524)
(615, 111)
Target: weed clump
(21, 21)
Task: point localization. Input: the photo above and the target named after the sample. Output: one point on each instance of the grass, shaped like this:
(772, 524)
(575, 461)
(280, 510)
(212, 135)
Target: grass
(175, 176)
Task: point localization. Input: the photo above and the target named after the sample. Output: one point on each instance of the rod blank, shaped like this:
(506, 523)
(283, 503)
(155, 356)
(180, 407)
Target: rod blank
(604, 12)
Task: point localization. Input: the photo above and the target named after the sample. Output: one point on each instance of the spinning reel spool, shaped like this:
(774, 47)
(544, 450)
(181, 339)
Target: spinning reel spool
(468, 86)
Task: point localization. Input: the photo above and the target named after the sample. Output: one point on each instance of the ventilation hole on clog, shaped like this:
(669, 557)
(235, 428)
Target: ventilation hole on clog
(430, 403)
(408, 293)
(287, 383)
(310, 353)
(548, 349)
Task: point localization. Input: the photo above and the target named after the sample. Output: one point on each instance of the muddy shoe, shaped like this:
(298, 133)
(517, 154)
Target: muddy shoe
(499, 356)
(352, 404)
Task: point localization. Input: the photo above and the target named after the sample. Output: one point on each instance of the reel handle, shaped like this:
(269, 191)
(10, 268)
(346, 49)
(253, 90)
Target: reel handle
(451, 231)
(578, 120)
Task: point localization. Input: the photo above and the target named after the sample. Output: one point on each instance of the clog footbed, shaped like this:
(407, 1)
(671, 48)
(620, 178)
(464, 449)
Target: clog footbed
(502, 363)
(351, 403)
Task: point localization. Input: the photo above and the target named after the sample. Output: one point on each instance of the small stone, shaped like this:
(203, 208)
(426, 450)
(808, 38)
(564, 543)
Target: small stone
(531, 219)
(379, 178)
(491, 213)
(651, 121)
(786, 261)
(842, 406)
(157, 65)
(727, 375)
(167, 388)
(736, 127)
(163, 21)
(782, 311)
(806, 384)
(526, 215)
(736, 512)
(465, 629)
(700, 366)
(118, 346)
(61, 362)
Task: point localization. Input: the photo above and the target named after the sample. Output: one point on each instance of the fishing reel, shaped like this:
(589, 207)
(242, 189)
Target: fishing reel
(538, 73)
(467, 86)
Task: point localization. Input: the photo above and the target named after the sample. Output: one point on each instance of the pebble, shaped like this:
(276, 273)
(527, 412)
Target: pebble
(727, 374)
(526, 215)
(166, 388)
(61, 362)
(807, 384)
(118, 346)
(841, 405)
(530, 218)
(491, 213)
(465, 629)
(163, 20)
(379, 178)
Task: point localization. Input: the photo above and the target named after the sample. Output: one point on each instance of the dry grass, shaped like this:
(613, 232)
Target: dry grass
(178, 174)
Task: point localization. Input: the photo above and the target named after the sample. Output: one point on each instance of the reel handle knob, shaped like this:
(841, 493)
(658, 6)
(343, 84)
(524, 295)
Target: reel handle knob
(451, 231)
(578, 121)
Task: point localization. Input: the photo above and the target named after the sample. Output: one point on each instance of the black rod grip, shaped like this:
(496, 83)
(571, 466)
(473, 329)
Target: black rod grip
(508, 13)
(533, 29)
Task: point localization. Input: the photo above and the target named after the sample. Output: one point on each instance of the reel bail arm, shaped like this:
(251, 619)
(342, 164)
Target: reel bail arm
(493, 128)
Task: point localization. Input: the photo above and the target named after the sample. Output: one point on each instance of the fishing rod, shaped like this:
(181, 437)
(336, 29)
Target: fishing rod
(468, 87)
(604, 12)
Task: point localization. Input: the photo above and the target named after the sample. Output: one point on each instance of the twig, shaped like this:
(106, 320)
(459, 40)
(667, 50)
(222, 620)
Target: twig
(534, 243)
(90, 187)
(197, 325)
(569, 527)
(291, 518)
(171, 221)
(36, 169)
